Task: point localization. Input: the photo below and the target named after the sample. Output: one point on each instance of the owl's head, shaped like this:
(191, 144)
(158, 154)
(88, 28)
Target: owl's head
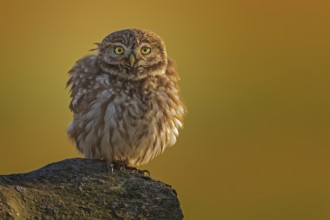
(133, 54)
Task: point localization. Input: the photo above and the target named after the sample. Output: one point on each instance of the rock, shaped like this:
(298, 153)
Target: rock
(86, 189)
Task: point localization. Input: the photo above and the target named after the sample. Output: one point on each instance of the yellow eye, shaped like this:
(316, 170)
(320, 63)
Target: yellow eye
(145, 50)
(119, 50)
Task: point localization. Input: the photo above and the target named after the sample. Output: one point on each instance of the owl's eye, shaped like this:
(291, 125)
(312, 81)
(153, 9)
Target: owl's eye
(145, 50)
(119, 50)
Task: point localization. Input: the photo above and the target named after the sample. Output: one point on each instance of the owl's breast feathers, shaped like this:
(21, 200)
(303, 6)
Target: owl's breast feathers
(118, 119)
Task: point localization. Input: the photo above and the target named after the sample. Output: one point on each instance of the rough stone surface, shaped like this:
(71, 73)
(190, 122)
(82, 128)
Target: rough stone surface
(86, 189)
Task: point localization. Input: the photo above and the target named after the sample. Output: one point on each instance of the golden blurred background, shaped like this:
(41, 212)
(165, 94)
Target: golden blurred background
(254, 74)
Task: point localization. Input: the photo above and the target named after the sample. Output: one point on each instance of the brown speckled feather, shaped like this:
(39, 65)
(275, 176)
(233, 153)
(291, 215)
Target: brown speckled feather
(126, 106)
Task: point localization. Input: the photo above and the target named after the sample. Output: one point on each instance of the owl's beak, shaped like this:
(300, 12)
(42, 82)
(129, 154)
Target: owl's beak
(131, 59)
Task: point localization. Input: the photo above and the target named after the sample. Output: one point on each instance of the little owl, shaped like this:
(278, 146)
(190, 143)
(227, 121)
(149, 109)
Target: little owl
(125, 99)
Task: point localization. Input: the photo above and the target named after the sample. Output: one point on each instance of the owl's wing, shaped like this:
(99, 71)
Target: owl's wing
(81, 76)
(174, 77)
(170, 70)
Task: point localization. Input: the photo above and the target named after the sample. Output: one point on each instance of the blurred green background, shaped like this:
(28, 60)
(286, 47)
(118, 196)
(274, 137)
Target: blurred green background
(254, 74)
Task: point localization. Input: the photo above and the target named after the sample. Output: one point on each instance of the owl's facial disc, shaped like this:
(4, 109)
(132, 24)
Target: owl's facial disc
(132, 57)
(133, 54)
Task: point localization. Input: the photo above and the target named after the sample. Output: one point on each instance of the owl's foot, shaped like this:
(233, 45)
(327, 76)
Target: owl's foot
(142, 172)
(123, 165)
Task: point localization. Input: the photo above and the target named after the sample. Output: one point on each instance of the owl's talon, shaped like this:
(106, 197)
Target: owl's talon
(122, 165)
(145, 172)
(141, 172)
(110, 167)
